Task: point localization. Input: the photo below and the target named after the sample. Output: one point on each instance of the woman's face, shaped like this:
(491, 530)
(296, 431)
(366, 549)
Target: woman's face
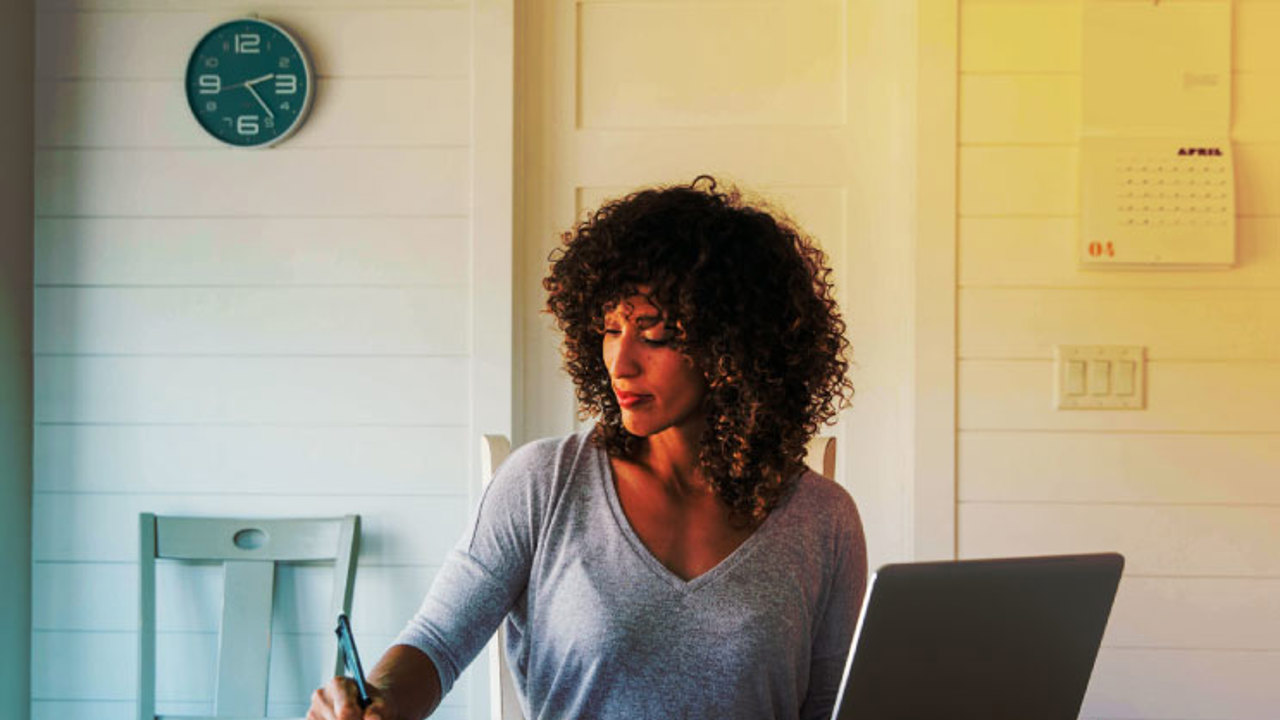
(657, 387)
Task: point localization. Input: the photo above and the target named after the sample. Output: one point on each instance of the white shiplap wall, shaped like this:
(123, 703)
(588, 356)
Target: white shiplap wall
(283, 332)
(1187, 488)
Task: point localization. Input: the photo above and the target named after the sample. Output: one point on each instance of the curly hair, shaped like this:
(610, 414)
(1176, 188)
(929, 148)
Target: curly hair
(750, 298)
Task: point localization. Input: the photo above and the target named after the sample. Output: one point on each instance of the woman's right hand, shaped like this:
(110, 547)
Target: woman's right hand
(339, 700)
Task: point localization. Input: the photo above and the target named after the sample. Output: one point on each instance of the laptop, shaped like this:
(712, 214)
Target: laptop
(1002, 639)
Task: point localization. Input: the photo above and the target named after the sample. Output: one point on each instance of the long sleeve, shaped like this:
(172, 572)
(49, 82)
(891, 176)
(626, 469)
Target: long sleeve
(484, 575)
(835, 628)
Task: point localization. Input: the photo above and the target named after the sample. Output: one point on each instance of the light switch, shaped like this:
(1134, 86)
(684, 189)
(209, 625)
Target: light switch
(1124, 377)
(1075, 377)
(1099, 377)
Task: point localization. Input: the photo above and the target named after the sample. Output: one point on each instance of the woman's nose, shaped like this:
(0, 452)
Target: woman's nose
(623, 361)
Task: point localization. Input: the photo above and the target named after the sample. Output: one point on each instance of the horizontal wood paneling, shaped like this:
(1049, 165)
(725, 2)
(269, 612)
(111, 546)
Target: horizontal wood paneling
(1183, 685)
(1021, 252)
(249, 459)
(1218, 324)
(1020, 180)
(1128, 467)
(68, 665)
(1018, 109)
(1217, 397)
(189, 597)
(661, 65)
(104, 528)
(100, 666)
(362, 112)
(1042, 251)
(251, 251)
(281, 182)
(252, 321)
(1018, 36)
(127, 709)
(233, 6)
(298, 390)
(1186, 487)
(1257, 179)
(1255, 115)
(1196, 613)
(348, 42)
(223, 332)
(1209, 541)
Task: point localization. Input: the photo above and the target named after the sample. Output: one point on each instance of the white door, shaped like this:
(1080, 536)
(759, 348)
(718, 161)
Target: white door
(808, 103)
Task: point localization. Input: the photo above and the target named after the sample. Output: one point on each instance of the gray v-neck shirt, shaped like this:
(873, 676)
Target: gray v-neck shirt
(597, 627)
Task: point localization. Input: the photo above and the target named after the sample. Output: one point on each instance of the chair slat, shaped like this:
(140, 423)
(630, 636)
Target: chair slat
(821, 456)
(504, 704)
(344, 575)
(244, 644)
(186, 538)
(146, 616)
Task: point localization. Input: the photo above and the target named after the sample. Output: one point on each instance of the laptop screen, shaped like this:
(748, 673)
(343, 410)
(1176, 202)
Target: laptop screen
(1004, 639)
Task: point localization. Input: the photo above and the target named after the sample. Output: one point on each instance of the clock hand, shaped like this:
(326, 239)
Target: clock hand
(257, 80)
(248, 83)
(256, 96)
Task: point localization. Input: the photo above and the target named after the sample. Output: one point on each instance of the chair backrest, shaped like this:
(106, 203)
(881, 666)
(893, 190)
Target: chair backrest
(249, 549)
(821, 456)
(504, 704)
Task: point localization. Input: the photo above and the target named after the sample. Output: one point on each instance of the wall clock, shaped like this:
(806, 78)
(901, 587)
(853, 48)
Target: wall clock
(249, 83)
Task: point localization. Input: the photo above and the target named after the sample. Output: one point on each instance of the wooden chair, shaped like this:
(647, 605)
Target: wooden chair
(821, 456)
(504, 703)
(249, 550)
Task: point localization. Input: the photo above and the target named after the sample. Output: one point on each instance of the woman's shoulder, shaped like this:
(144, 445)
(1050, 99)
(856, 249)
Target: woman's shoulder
(817, 501)
(812, 488)
(542, 476)
(821, 516)
(547, 466)
(563, 453)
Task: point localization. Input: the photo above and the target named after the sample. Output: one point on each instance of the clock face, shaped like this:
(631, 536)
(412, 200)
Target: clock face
(249, 83)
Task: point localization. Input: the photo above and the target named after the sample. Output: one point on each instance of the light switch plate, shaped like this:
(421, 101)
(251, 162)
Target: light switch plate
(1114, 377)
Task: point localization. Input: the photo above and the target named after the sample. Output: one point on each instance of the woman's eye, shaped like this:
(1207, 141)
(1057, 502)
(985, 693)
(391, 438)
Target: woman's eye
(657, 341)
(612, 331)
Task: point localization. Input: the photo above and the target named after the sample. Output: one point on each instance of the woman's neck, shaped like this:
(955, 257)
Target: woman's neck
(671, 457)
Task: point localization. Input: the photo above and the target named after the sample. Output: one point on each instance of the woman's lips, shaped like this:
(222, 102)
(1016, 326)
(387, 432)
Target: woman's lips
(630, 400)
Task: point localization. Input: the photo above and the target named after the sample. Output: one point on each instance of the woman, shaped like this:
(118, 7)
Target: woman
(675, 560)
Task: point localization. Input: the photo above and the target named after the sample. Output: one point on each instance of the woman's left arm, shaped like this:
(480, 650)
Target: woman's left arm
(834, 634)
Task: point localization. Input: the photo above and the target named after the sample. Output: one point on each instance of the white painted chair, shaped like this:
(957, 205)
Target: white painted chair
(504, 704)
(249, 550)
(821, 456)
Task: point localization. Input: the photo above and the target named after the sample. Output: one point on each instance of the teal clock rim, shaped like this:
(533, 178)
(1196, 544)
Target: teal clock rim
(306, 67)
